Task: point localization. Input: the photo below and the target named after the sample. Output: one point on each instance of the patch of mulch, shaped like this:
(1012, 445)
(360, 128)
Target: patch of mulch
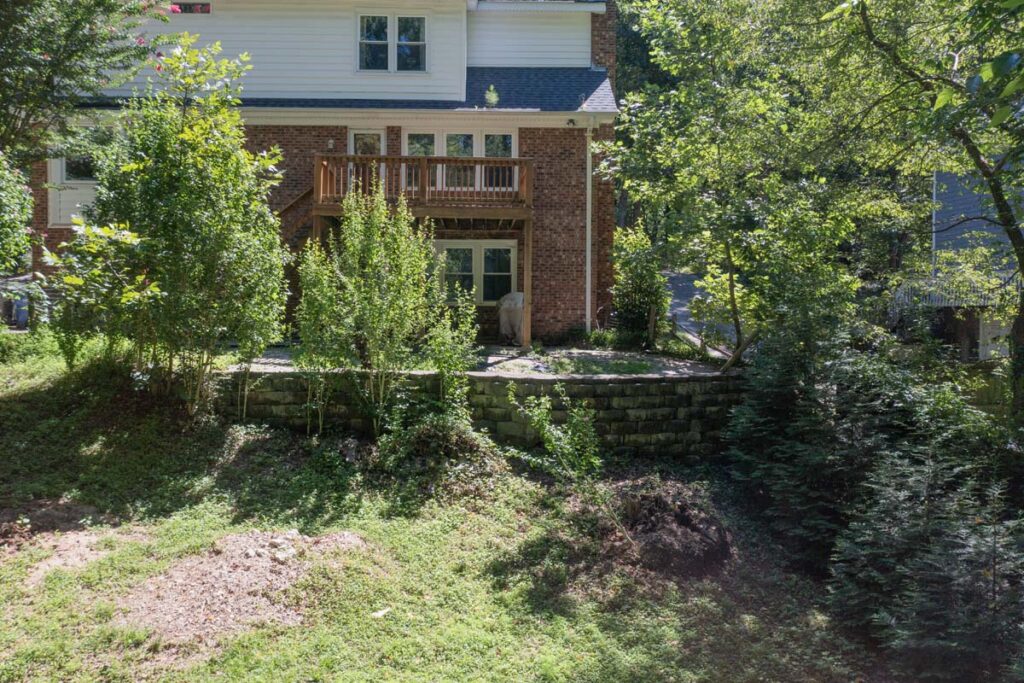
(673, 529)
(228, 589)
(19, 525)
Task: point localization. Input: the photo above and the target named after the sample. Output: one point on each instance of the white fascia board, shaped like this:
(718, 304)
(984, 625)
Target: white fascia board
(541, 6)
(406, 118)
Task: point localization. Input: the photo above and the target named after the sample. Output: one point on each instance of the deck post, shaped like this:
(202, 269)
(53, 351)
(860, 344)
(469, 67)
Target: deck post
(527, 330)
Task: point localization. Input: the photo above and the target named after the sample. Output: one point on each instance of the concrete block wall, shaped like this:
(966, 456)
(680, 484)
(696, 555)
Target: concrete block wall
(646, 415)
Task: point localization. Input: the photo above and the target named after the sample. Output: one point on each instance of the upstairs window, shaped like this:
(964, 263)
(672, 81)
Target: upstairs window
(373, 43)
(412, 44)
(392, 43)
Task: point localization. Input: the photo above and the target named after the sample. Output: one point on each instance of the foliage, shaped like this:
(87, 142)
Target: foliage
(572, 449)
(640, 293)
(56, 55)
(190, 260)
(374, 302)
(15, 216)
(931, 565)
(723, 157)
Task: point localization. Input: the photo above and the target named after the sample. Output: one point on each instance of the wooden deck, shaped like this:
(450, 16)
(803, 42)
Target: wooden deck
(456, 187)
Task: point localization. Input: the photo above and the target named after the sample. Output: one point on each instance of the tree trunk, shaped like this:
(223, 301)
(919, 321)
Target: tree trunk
(1017, 363)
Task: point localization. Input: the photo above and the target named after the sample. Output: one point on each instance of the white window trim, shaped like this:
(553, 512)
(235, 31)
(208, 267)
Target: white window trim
(60, 171)
(382, 132)
(393, 16)
(478, 247)
(441, 138)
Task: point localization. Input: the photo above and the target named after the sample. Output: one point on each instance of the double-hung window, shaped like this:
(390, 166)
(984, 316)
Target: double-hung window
(487, 268)
(392, 43)
(374, 46)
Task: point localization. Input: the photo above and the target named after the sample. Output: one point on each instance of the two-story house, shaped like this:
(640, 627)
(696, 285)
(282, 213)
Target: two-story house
(398, 91)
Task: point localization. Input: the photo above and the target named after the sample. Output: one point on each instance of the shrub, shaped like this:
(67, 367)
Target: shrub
(640, 293)
(15, 216)
(888, 481)
(191, 259)
(931, 566)
(571, 450)
(374, 302)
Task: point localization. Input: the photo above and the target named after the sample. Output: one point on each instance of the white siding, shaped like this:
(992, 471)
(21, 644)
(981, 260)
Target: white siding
(529, 39)
(308, 48)
(66, 199)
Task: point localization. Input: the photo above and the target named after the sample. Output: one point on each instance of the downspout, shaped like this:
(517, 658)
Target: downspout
(590, 222)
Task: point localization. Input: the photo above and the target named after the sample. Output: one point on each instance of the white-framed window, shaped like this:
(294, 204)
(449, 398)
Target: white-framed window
(411, 44)
(78, 170)
(493, 144)
(392, 42)
(368, 142)
(488, 267)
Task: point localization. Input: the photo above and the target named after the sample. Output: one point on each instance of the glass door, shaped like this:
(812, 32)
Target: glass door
(366, 174)
(456, 176)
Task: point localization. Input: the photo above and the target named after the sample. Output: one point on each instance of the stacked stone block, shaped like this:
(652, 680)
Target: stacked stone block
(639, 415)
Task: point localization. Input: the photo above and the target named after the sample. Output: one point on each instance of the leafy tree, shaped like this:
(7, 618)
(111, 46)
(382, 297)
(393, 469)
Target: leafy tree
(15, 216)
(723, 158)
(374, 301)
(640, 293)
(927, 86)
(204, 244)
(56, 54)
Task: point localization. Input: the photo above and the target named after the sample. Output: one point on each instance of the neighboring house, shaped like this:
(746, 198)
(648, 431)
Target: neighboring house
(962, 318)
(396, 90)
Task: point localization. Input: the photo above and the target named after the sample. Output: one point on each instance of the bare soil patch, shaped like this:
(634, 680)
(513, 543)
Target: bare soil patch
(229, 589)
(19, 525)
(73, 550)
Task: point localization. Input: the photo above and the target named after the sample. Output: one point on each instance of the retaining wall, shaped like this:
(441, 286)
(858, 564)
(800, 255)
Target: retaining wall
(646, 414)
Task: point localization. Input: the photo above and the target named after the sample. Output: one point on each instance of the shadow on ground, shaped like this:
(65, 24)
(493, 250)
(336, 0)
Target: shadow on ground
(88, 438)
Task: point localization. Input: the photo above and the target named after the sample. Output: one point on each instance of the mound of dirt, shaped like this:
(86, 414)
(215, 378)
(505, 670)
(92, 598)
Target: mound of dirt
(228, 589)
(674, 528)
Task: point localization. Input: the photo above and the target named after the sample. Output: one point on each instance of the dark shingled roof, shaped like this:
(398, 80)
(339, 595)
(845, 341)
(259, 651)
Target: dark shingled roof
(519, 89)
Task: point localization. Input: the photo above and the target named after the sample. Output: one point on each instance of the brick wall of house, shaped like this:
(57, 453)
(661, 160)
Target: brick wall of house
(43, 234)
(560, 205)
(299, 144)
(603, 36)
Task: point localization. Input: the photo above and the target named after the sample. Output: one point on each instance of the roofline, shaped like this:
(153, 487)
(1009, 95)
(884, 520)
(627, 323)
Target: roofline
(539, 6)
(520, 118)
(407, 118)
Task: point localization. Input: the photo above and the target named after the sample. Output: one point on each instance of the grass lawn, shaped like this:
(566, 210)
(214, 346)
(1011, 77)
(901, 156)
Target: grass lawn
(500, 586)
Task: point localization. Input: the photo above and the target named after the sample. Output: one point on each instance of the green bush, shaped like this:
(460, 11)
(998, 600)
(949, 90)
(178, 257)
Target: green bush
(640, 290)
(374, 302)
(15, 216)
(182, 255)
(572, 451)
(885, 479)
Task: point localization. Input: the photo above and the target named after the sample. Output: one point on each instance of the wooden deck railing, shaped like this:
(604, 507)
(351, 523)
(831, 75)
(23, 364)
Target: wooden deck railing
(450, 181)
